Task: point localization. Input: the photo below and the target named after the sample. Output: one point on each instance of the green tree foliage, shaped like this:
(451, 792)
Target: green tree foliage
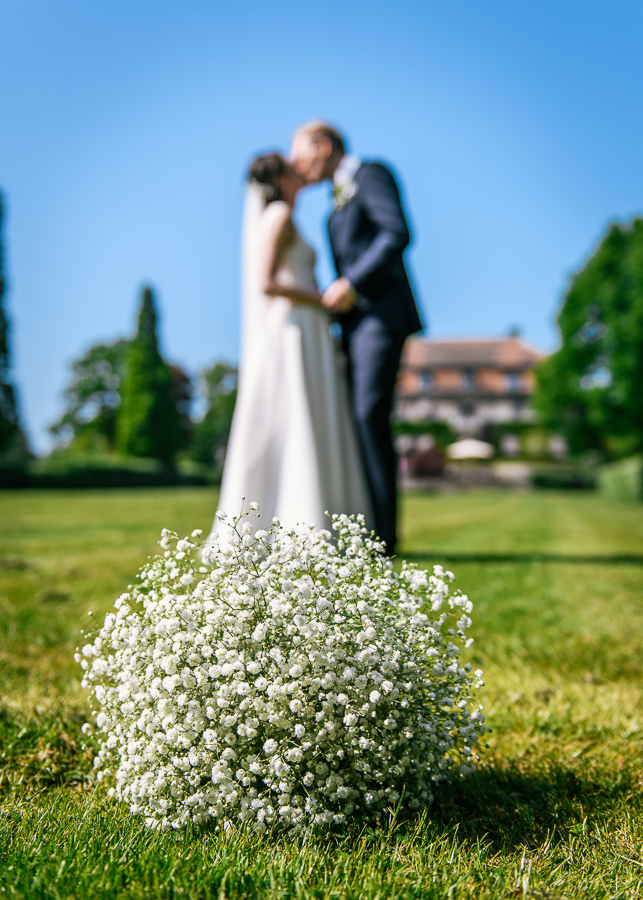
(92, 398)
(182, 399)
(13, 445)
(591, 389)
(219, 386)
(148, 422)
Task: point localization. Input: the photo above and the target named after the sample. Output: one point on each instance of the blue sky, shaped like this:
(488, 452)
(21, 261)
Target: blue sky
(125, 128)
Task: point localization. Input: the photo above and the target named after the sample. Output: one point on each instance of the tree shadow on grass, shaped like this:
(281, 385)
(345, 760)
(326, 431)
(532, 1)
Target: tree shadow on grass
(616, 559)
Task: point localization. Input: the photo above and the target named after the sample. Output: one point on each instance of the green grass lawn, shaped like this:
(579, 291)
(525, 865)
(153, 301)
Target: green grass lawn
(555, 810)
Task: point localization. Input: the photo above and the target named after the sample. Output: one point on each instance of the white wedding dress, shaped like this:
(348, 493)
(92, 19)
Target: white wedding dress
(293, 447)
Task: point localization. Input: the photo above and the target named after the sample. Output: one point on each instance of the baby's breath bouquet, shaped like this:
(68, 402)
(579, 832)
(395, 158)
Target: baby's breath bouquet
(283, 678)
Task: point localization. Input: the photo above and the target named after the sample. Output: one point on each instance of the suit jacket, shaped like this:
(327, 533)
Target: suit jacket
(368, 236)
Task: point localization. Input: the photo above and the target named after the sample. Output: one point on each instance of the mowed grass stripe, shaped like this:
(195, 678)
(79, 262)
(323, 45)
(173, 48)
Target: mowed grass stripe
(555, 810)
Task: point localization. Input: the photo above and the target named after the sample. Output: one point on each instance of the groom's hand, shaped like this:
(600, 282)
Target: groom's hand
(340, 296)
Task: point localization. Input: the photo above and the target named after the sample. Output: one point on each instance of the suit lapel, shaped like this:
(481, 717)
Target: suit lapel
(344, 217)
(339, 222)
(335, 233)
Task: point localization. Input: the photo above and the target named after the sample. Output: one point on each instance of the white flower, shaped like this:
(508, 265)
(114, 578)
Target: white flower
(294, 679)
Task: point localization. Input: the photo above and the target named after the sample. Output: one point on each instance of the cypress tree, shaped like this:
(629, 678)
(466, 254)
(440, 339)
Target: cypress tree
(147, 421)
(13, 445)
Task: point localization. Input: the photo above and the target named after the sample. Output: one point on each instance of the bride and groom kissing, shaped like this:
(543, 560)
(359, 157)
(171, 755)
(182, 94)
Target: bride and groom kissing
(311, 429)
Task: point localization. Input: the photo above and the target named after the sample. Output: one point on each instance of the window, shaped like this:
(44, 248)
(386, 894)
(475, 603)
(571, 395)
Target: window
(426, 380)
(467, 409)
(468, 378)
(513, 381)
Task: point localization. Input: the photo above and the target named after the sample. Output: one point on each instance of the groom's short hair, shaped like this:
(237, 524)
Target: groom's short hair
(317, 129)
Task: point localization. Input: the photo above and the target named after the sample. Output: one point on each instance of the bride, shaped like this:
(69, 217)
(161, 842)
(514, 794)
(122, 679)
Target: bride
(293, 447)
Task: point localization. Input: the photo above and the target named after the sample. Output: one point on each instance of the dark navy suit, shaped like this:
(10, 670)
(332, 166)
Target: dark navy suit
(368, 236)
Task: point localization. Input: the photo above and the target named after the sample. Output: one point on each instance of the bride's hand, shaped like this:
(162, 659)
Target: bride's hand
(340, 296)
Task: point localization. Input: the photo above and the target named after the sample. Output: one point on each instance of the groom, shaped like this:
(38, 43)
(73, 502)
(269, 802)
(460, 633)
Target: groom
(371, 297)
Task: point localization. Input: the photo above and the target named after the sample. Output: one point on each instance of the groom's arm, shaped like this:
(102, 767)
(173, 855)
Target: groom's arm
(380, 199)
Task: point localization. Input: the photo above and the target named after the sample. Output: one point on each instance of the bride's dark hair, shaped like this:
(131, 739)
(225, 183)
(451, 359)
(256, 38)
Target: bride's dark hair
(264, 171)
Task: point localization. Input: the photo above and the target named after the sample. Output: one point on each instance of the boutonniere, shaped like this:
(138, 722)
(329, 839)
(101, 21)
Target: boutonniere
(343, 192)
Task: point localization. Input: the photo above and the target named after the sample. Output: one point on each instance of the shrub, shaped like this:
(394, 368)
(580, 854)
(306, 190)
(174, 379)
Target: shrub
(563, 478)
(622, 480)
(441, 432)
(291, 680)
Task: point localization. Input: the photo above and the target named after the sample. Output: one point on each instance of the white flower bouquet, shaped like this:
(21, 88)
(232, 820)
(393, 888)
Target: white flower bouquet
(289, 680)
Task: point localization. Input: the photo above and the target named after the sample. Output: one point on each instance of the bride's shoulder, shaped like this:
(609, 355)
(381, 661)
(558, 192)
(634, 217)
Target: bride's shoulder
(276, 221)
(278, 209)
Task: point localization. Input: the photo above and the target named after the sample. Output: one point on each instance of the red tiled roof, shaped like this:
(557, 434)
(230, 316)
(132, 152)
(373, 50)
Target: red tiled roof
(505, 353)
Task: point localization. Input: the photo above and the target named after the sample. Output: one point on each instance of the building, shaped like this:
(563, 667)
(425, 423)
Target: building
(466, 382)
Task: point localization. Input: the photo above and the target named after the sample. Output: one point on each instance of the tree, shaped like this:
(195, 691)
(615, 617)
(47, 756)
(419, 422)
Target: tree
(182, 400)
(591, 388)
(210, 436)
(93, 397)
(13, 444)
(148, 421)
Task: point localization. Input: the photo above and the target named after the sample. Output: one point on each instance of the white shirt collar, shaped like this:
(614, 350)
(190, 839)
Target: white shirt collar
(347, 169)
